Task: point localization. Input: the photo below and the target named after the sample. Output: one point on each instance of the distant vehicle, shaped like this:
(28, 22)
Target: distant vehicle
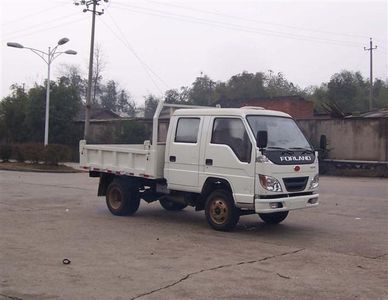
(229, 162)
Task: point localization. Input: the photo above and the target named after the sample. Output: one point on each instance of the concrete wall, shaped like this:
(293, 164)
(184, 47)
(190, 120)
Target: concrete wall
(350, 139)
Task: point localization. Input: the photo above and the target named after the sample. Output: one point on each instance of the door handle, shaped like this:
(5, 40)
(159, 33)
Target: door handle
(173, 158)
(209, 162)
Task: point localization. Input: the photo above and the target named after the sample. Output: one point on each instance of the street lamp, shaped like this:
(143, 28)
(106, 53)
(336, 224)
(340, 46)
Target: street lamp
(48, 58)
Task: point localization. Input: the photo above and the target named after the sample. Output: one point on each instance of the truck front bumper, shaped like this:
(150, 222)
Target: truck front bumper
(285, 203)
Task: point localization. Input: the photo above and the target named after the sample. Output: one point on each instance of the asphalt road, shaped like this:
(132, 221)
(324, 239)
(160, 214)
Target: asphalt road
(336, 251)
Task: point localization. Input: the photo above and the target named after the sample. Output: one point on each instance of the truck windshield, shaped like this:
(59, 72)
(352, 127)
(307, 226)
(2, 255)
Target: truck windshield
(283, 133)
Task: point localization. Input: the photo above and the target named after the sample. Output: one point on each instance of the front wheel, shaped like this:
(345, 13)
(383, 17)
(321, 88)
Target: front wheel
(121, 199)
(220, 211)
(274, 218)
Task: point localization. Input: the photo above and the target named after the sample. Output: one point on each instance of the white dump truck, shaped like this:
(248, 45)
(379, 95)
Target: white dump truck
(227, 161)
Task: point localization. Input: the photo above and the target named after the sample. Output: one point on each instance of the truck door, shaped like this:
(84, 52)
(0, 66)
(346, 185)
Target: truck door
(182, 154)
(229, 154)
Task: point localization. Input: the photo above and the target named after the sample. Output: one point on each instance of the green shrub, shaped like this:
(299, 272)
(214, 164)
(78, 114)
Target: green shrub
(54, 153)
(5, 152)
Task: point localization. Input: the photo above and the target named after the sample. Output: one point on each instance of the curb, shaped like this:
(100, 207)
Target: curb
(18, 169)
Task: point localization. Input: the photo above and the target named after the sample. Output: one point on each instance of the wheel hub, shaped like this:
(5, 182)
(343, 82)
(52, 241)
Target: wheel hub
(115, 198)
(218, 211)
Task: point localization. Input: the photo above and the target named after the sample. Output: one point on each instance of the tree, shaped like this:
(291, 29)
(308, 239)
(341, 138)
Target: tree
(28, 124)
(64, 106)
(109, 97)
(151, 102)
(278, 85)
(177, 96)
(348, 91)
(35, 115)
(241, 87)
(65, 103)
(125, 104)
(13, 108)
(318, 95)
(380, 93)
(71, 75)
(202, 91)
(98, 68)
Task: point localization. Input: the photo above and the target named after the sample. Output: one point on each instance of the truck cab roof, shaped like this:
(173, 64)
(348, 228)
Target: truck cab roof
(215, 111)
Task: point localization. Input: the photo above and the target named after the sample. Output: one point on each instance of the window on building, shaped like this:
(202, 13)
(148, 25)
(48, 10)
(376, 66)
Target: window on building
(231, 132)
(187, 130)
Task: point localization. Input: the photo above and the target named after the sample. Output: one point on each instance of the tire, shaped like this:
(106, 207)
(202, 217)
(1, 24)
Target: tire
(121, 199)
(171, 205)
(274, 218)
(220, 211)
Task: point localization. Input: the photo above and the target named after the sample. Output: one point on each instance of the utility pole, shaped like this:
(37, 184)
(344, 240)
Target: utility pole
(370, 49)
(94, 12)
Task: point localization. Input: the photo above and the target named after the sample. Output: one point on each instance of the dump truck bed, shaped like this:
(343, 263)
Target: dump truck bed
(138, 160)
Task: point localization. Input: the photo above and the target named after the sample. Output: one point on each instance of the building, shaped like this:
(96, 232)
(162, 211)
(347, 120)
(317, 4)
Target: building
(97, 114)
(296, 106)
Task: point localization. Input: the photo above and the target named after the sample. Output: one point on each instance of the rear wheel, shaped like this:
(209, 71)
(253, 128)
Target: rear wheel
(170, 205)
(220, 211)
(274, 218)
(122, 199)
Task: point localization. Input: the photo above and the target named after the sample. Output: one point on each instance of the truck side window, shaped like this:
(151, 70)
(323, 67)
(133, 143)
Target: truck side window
(187, 130)
(231, 132)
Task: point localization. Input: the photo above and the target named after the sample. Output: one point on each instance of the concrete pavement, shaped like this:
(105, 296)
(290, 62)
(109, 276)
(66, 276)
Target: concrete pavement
(336, 251)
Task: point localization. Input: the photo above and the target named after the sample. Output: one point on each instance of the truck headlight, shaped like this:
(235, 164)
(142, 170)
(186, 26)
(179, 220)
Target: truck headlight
(270, 183)
(315, 182)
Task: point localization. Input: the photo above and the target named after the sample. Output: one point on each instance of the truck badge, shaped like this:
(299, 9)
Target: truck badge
(296, 158)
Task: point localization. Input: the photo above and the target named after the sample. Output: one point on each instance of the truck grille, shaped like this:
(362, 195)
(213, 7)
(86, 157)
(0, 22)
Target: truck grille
(295, 184)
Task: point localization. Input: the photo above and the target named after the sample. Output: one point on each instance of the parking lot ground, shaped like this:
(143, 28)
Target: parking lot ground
(338, 250)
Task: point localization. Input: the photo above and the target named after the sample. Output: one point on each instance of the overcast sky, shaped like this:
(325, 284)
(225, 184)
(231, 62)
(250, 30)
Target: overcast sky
(150, 46)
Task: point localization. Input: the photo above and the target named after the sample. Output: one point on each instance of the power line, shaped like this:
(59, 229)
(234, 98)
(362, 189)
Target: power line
(255, 20)
(44, 24)
(236, 27)
(137, 57)
(212, 22)
(141, 60)
(381, 39)
(30, 15)
(148, 69)
(44, 29)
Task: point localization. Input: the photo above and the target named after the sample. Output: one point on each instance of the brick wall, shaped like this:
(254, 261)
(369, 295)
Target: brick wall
(298, 108)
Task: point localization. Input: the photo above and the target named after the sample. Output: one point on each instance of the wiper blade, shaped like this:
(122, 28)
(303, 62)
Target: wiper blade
(284, 150)
(305, 150)
(276, 148)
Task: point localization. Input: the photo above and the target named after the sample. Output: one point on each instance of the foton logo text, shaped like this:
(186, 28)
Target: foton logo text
(295, 158)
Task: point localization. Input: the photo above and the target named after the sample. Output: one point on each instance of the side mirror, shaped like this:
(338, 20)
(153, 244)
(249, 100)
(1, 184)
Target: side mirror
(262, 139)
(323, 142)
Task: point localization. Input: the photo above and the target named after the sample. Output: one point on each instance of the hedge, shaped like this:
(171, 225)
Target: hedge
(5, 152)
(51, 154)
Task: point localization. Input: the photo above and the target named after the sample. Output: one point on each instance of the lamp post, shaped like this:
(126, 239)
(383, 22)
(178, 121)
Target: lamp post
(48, 58)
